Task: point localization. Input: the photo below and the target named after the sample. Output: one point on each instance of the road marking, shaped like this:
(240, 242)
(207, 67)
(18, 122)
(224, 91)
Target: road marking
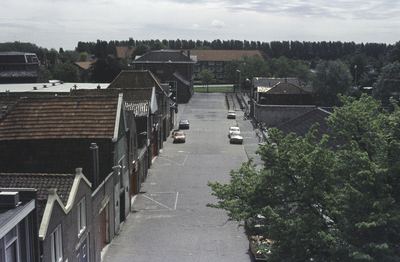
(175, 161)
(176, 200)
(157, 202)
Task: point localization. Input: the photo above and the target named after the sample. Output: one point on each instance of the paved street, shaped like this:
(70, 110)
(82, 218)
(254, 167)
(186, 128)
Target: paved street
(170, 220)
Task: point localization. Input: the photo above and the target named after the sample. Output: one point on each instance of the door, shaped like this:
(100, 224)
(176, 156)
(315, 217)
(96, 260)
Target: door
(82, 252)
(116, 208)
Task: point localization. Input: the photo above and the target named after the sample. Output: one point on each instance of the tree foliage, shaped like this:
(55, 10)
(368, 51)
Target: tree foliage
(387, 83)
(330, 79)
(206, 77)
(320, 203)
(105, 70)
(66, 72)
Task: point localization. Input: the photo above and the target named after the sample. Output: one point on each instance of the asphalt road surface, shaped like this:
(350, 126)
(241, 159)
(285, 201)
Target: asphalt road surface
(170, 220)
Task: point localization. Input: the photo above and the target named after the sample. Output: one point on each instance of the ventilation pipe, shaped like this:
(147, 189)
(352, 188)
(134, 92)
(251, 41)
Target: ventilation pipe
(95, 150)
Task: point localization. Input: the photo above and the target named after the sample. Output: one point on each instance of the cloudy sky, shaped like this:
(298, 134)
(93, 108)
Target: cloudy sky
(63, 23)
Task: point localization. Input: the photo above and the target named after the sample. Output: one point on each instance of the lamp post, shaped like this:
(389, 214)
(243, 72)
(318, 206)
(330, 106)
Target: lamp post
(355, 76)
(240, 80)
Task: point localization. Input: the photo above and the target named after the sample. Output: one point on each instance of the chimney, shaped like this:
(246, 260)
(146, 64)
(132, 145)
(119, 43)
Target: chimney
(95, 150)
(188, 53)
(9, 199)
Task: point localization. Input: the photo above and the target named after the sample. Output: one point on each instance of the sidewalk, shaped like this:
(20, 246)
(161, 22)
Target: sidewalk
(250, 137)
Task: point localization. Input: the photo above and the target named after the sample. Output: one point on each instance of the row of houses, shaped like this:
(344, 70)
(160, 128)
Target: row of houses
(71, 161)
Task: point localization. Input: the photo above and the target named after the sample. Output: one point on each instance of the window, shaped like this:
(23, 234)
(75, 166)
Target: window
(211, 63)
(81, 216)
(56, 245)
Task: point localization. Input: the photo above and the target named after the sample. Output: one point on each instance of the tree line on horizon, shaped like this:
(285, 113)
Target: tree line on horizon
(302, 50)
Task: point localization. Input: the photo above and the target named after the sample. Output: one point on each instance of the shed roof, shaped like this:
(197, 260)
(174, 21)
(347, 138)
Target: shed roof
(301, 125)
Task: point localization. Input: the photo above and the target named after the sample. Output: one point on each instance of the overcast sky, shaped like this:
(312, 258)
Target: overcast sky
(63, 23)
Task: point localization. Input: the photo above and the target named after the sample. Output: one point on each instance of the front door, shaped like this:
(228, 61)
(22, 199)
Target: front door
(82, 252)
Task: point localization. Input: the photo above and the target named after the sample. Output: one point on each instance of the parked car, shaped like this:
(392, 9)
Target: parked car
(233, 129)
(184, 124)
(179, 136)
(236, 138)
(231, 114)
(260, 247)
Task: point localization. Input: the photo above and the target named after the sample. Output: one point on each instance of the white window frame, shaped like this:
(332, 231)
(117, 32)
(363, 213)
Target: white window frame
(81, 216)
(56, 245)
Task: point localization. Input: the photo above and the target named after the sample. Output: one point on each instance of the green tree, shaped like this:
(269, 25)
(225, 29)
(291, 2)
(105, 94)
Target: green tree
(140, 50)
(66, 72)
(322, 204)
(206, 77)
(394, 54)
(157, 45)
(69, 56)
(387, 83)
(105, 70)
(83, 57)
(230, 70)
(331, 78)
(255, 66)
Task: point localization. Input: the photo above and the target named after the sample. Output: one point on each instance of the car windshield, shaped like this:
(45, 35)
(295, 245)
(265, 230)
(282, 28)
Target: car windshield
(236, 134)
(233, 129)
(179, 133)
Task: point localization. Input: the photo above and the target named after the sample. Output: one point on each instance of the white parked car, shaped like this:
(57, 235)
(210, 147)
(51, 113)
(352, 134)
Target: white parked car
(233, 129)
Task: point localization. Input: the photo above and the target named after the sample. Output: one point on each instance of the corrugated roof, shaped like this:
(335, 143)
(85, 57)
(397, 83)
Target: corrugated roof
(164, 56)
(54, 86)
(222, 55)
(282, 88)
(271, 81)
(60, 117)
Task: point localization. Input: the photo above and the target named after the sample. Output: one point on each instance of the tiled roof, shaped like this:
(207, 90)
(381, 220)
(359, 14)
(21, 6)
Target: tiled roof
(42, 182)
(163, 56)
(222, 55)
(6, 103)
(21, 74)
(271, 81)
(85, 65)
(138, 80)
(60, 117)
(124, 51)
(301, 125)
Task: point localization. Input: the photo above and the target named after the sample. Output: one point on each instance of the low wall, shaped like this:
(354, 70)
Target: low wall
(273, 115)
